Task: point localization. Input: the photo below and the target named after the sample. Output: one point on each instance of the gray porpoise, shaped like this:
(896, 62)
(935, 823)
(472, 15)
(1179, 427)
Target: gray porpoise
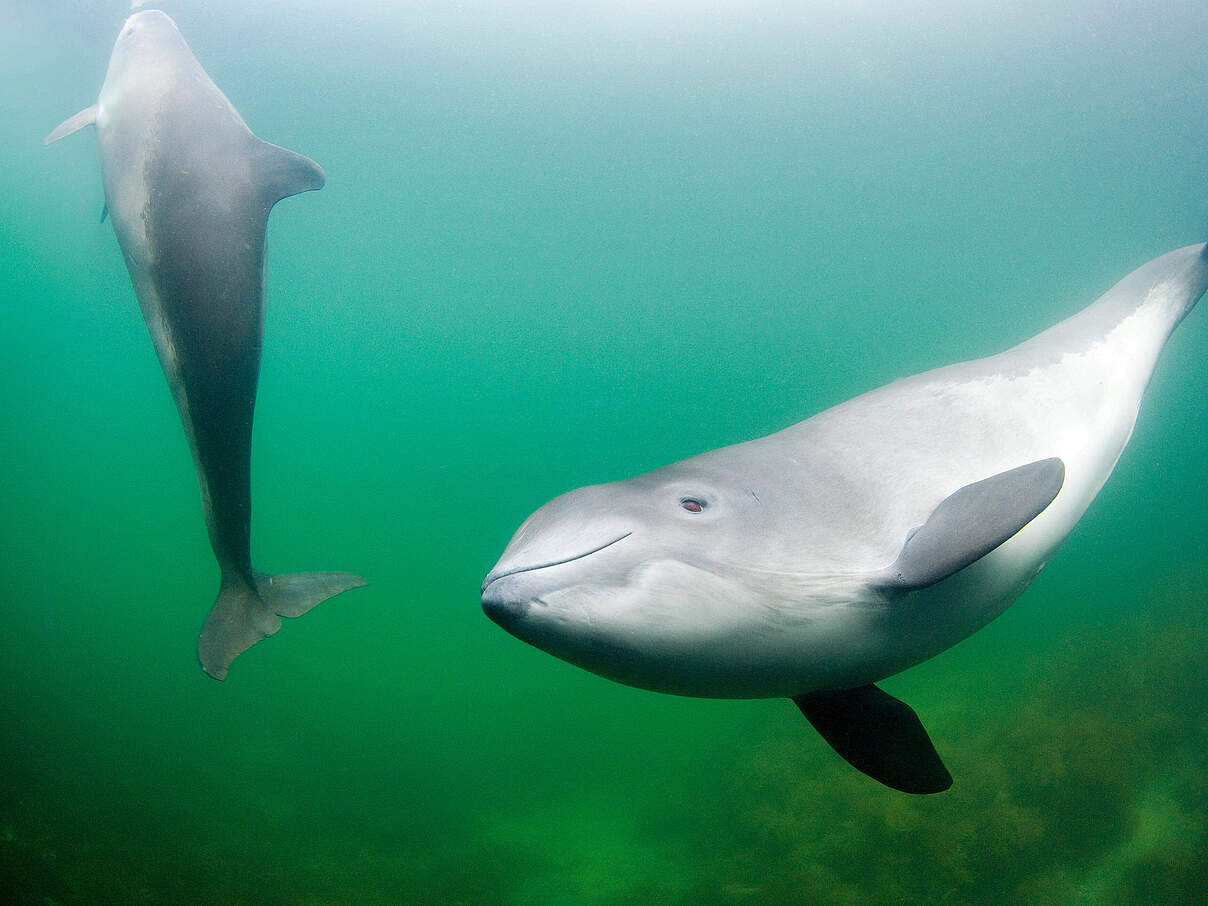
(189, 189)
(816, 561)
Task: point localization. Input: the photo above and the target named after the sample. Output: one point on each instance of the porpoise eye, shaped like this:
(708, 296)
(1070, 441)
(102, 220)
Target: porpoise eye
(692, 505)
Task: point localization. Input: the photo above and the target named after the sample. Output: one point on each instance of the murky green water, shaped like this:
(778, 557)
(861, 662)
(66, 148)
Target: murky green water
(562, 245)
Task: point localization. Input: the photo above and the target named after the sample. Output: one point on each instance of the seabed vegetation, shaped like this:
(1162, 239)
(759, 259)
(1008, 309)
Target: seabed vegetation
(1084, 785)
(1079, 780)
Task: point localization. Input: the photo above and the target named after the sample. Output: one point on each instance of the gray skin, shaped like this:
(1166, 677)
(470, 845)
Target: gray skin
(816, 561)
(189, 189)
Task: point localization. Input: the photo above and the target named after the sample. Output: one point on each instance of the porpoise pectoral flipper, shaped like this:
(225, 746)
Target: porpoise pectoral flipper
(878, 735)
(189, 189)
(974, 520)
(281, 172)
(86, 117)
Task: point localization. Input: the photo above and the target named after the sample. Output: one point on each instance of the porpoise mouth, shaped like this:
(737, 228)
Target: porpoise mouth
(494, 577)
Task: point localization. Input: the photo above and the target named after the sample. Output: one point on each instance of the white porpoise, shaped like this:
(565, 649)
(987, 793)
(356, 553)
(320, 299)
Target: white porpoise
(816, 561)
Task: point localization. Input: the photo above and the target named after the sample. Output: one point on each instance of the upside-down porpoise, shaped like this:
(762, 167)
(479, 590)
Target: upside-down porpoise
(817, 561)
(189, 189)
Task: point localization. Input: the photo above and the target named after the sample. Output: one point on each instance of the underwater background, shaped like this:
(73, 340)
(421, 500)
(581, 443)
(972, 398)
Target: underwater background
(563, 244)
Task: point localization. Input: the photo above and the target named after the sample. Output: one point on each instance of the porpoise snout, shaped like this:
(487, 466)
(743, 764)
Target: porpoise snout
(529, 570)
(504, 609)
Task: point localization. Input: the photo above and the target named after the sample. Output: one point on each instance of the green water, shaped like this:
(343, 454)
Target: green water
(562, 244)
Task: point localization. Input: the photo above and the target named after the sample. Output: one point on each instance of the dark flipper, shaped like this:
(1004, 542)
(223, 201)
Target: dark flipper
(972, 521)
(283, 172)
(879, 735)
(243, 615)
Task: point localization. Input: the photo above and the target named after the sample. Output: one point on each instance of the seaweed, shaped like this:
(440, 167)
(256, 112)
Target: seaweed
(1086, 787)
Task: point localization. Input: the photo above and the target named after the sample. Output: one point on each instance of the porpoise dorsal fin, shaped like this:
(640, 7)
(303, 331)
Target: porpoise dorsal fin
(283, 173)
(971, 522)
(878, 735)
(85, 117)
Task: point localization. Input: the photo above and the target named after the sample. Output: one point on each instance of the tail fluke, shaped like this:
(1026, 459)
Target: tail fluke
(243, 615)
